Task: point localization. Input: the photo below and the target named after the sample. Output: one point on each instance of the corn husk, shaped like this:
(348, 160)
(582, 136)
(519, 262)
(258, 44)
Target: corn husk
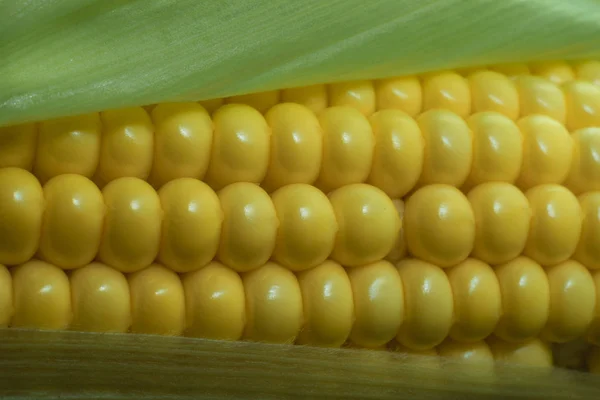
(66, 57)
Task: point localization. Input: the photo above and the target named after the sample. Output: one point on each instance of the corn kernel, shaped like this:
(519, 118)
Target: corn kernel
(378, 304)
(502, 217)
(272, 290)
(42, 296)
(491, 91)
(21, 213)
(307, 227)
(588, 71)
(157, 301)
(584, 174)
(541, 96)
(214, 303)
(183, 139)
(547, 152)
(69, 145)
(497, 149)
(439, 225)
(583, 105)
(448, 152)
(18, 145)
(249, 230)
(428, 305)
(477, 301)
(359, 95)
(588, 247)
(101, 300)
(448, 91)
(127, 145)
(525, 293)
(399, 250)
(191, 224)
(72, 222)
(403, 93)
(131, 236)
(328, 305)
(398, 154)
(572, 302)
(240, 149)
(296, 146)
(347, 148)
(368, 224)
(313, 97)
(555, 224)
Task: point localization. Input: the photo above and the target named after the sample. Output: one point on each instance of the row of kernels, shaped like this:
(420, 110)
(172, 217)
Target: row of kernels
(128, 225)
(101, 302)
(389, 150)
(562, 71)
(186, 224)
(394, 152)
(588, 71)
(552, 156)
(471, 301)
(415, 303)
(214, 302)
(94, 298)
(574, 103)
(533, 353)
(485, 89)
(76, 145)
(538, 87)
(181, 128)
(495, 221)
(155, 300)
(486, 147)
(489, 147)
(240, 148)
(555, 71)
(420, 304)
(375, 290)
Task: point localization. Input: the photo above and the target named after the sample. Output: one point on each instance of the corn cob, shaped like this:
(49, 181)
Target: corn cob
(453, 143)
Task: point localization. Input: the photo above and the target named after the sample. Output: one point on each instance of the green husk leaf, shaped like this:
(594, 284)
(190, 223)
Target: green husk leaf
(65, 57)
